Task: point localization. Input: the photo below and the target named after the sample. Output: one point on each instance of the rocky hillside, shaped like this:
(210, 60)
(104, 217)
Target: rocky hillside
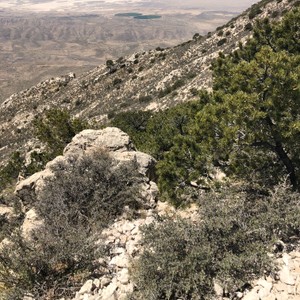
(151, 80)
(123, 237)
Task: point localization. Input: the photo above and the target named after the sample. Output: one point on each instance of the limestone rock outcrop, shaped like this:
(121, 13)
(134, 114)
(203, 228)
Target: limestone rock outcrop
(112, 140)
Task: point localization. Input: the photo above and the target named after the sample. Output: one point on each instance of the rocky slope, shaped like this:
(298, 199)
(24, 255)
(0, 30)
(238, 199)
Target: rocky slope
(151, 80)
(123, 237)
(111, 140)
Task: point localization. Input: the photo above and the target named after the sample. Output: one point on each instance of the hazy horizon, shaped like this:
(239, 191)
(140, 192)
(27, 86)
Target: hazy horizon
(103, 5)
(60, 36)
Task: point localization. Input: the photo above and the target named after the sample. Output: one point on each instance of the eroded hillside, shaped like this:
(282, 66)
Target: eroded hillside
(150, 80)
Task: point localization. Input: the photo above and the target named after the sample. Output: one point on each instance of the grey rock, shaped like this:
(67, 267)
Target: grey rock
(218, 289)
(123, 276)
(109, 293)
(87, 287)
(265, 284)
(30, 223)
(131, 247)
(6, 211)
(127, 227)
(111, 138)
(285, 276)
(120, 261)
(27, 189)
(96, 282)
(252, 295)
(105, 281)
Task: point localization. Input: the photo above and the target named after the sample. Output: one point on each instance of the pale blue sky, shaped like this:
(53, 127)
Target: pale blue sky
(65, 5)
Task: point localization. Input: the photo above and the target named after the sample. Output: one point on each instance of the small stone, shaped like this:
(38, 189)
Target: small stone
(122, 296)
(150, 213)
(102, 261)
(123, 276)
(116, 233)
(149, 220)
(120, 261)
(96, 283)
(31, 223)
(28, 298)
(86, 297)
(285, 276)
(218, 289)
(127, 227)
(135, 230)
(239, 295)
(252, 295)
(119, 250)
(87, 287)
(104, 281)
(131, 248)
(123, 239)
(263, 292)
(110, 239)
(126, 288)
(6, 211)
(265, 284)
(286, 258)
(109, 291)
(279, 287)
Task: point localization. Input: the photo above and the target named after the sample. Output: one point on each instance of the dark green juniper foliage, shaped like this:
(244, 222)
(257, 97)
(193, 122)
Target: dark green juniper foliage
(249, 126)
(10, 172)
(56, 129)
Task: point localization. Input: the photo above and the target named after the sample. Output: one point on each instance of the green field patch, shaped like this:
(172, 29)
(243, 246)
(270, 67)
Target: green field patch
(130, 14)
(147, 17)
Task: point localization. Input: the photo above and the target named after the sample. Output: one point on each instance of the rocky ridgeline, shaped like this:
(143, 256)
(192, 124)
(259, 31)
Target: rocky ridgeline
(150, 80)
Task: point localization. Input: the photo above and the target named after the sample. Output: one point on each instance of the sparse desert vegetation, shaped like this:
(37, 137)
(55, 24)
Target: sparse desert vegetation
(209, 210)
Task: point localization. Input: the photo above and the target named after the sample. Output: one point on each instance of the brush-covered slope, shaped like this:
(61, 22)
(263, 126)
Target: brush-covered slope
(151, 80)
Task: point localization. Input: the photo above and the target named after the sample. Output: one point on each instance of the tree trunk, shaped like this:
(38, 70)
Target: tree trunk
(288, 164)
(283, 156)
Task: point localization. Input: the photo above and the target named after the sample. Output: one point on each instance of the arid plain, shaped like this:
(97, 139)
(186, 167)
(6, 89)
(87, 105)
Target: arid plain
(40, 39)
